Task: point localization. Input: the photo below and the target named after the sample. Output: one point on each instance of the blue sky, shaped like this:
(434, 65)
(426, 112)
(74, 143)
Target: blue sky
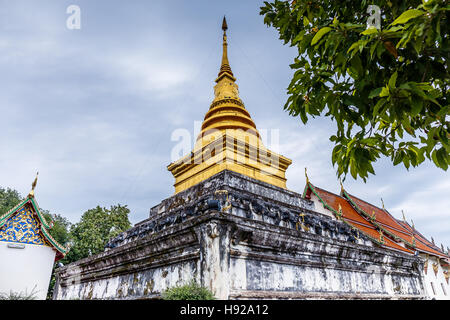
(93, 109)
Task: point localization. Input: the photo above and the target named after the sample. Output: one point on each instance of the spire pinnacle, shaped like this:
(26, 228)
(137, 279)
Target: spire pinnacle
(33, 186)
(224, 24)
(225, 66)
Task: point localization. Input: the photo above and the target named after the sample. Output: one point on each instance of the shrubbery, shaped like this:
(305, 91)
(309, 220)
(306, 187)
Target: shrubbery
(191, 291)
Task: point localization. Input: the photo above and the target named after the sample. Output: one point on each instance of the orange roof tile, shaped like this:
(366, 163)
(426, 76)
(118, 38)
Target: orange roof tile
(388, 222)
(357, 212)
(351, 216)
(422, 243)
(381, 215)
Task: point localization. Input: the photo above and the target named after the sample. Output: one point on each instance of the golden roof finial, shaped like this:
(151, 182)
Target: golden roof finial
(306, 175)
(412, 223)
(404, 218)
(382, 203)
(339, 212)
(342, 186)
(33, 186)
(381, 236)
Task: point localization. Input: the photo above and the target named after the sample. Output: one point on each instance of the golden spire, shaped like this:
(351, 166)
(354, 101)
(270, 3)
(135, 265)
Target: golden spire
(225, 66)
(228, 139)
(33, 186)
(227, 110)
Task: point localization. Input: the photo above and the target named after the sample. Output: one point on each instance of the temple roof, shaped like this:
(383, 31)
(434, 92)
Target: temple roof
(339, 205)
(376, 223)
(25, 223)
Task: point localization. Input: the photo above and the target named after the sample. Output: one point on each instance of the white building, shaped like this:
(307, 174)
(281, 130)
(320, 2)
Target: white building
(27, 250)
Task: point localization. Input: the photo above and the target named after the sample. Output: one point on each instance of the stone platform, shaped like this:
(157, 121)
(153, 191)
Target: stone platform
(250, 240)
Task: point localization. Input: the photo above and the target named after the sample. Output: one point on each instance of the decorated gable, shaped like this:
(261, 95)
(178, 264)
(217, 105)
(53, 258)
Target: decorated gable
(25, 224)
(22, 227)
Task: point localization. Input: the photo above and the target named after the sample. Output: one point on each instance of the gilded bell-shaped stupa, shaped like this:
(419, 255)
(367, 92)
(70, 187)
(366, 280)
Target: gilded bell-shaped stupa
(229, 139)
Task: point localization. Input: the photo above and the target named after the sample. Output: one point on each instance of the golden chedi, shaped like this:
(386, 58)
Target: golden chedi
(228, 140)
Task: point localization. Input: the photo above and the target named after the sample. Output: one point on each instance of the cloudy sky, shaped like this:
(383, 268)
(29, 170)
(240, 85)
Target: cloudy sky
(93, 110)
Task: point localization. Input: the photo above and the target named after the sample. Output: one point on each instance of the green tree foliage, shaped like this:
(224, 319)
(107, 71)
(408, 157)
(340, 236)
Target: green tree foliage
(191, 291)
(387, 90)
(8, 199)
(90, 235)
(61, 226)
(96, 227)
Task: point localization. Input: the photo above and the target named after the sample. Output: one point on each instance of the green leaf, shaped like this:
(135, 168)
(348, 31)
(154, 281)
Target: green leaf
(393, 80)
(375, 93)
(353, 46)
(305, 21)
(407, 15)
(442, 158)
(357, 65)
(320, 34)
(384, 92)
(380, 104)
(370, 31)
(373, 47)
(416, 106)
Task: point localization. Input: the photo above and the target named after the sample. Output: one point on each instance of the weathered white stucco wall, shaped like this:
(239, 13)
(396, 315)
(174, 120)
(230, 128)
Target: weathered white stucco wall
(436, 279)
(27, 270)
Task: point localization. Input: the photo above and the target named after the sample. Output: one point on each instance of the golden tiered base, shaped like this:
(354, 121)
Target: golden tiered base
(232, 150)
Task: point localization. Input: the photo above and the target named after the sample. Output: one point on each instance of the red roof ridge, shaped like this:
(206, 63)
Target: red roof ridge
(381, 209)
(421, 238)
(387, 213)
(387, 243)
(335, 194)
